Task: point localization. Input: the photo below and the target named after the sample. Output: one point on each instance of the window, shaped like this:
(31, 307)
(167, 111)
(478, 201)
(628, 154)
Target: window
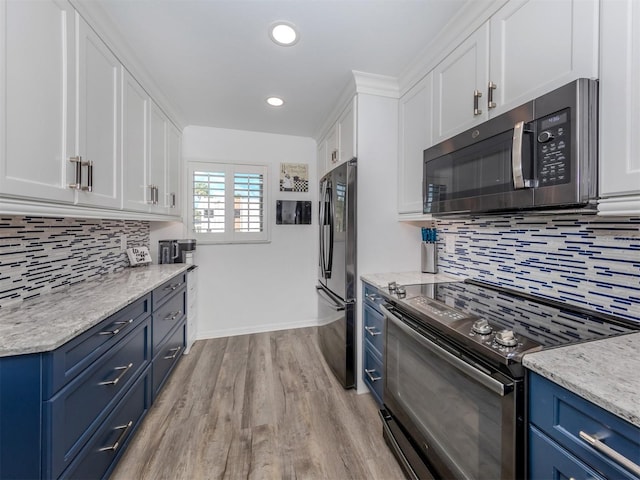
(229, 202)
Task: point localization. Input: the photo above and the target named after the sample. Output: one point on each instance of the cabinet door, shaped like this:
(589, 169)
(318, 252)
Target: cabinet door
(322, 158)
(135, 113)
(333, 151)
(619, 102)
(455, 80)
(99, 119)
(157, 156)
(537, 46)
(174, 169)
(347, 129)
(37, 99)
(415, 136)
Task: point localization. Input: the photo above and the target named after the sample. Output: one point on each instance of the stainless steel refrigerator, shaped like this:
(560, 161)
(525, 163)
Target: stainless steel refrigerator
(337, 280)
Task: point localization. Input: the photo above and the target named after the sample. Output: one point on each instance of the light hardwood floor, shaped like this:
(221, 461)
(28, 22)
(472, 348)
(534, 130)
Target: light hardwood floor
(261, 406)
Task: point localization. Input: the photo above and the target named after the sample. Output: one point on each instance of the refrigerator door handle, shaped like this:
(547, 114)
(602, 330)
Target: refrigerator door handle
(331, 227)
(338, 307)
(321, 215)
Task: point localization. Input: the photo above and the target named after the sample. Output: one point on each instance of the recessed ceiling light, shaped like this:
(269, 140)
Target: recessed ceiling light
(275, 101)
(284, 33)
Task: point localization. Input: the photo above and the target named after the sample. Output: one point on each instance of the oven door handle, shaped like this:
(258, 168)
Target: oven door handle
(470, 371)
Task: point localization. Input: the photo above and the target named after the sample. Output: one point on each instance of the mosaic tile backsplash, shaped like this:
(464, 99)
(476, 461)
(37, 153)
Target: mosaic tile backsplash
(41, 255)
(589, 261)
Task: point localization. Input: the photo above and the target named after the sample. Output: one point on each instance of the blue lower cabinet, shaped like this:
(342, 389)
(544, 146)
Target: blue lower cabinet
(167, 356)
(98, 458)
(372, 341)
(75, 412)
(373, 372)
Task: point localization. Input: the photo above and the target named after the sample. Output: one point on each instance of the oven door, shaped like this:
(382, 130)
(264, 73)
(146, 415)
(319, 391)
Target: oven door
(463, 420)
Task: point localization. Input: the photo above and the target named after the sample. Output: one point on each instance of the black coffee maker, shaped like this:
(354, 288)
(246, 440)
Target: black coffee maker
(176, 251)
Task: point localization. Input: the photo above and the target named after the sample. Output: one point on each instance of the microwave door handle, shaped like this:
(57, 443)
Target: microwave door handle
(516, 156)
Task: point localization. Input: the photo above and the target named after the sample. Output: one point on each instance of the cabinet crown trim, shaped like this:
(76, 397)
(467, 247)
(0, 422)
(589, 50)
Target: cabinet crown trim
(374, 84)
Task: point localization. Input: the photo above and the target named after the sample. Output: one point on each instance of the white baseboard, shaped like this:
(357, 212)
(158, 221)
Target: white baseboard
(232, 332)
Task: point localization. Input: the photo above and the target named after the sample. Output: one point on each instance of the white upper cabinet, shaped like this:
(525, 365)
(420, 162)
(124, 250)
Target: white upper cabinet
(620, 108)
(347, 129)
(37, 99)
(458, 83)
(157, 158)
(135, 115)
(322, 158)
(527, 48)
(98, 120)
(415, 129)
(174, 169)
(540, 45)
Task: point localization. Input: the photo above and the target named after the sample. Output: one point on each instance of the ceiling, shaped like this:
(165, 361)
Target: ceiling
(214, 61)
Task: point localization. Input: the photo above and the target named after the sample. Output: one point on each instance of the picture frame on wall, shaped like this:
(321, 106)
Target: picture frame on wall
(294, 177)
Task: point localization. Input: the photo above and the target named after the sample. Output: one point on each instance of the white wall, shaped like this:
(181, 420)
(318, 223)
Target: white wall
(384, 243)
(246, 288)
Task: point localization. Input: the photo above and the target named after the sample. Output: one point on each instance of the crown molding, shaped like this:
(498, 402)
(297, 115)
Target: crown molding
(374, 84)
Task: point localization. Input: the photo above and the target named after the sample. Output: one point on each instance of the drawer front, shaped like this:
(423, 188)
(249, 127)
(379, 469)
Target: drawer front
(167, 317)
(161, 293)
(105, 447)
(562, 415)
(372, 297)
(69, 360)
(372, 374)
(374, 328)
(168, 356)
(73, 414)
(547, 461)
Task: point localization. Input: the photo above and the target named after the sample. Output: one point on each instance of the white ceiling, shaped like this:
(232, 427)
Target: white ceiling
(215, 63)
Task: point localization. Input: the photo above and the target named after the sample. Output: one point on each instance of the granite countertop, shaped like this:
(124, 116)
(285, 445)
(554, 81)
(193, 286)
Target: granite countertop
(604, 372)
(44, 323)
(381, 280)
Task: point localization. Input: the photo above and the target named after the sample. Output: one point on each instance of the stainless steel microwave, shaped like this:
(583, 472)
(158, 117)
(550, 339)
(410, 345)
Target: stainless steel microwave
(540, 155)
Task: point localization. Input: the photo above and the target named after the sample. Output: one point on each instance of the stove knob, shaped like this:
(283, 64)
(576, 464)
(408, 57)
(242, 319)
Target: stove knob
(506, 338)
(401, 291)
(392, 287)
(482, 327)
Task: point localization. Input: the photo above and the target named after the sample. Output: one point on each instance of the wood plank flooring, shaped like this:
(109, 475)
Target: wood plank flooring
(262, 406)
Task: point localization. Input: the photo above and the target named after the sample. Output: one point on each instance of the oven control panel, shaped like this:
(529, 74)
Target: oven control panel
(437, 310)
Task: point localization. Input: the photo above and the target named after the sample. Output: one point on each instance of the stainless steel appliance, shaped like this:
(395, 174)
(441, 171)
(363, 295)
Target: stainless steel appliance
(454, 389)
(541, 155)
(337, 271)
(176, 251)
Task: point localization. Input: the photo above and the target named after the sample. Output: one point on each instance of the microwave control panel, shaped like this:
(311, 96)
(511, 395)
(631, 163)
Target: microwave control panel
(553, 145)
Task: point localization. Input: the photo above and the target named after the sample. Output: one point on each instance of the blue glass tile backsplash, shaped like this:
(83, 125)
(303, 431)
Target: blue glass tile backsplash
(40, 255)
(584, 260)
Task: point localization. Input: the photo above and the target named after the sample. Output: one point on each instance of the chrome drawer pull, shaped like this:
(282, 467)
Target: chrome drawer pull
(117, 330)
(119, 377)
(173, 287)
(373, 331)
(175, 353)
(372, 296)
(173, 315)
(611, 453)
(371, 376)
(115, 446)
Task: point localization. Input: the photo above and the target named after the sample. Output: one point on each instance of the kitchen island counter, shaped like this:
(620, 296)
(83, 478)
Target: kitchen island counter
(44, 323)
(605, 372)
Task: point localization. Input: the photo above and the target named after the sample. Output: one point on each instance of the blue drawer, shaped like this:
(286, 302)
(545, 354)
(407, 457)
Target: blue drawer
(167, 357)
(160, 294)
(372, 297)
(168, 316)
(373, 328)
(372, 374)
(74, 413)
(99, 456)
(69, 360)
(550, 461)
(561, 415)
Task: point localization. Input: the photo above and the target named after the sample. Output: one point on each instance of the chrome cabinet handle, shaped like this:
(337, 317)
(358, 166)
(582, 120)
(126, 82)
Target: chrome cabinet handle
(124, 324)
(372, 296)
(89, 165)
(610, 452)
(77, 161)
(115, 446)
(173, 315)
(173, 200)
(491, 87)
(371, 376)
(175, 353)
(124, 369)
(373, 331)
(173, 286)
(516, 156)
(476, 98)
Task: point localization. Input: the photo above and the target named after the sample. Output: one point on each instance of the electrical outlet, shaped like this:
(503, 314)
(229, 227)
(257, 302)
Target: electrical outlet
(123, 242)
(450, 243)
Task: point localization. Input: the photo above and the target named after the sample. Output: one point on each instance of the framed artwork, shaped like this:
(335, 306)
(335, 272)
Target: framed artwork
(293, 212)
(294, 177)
